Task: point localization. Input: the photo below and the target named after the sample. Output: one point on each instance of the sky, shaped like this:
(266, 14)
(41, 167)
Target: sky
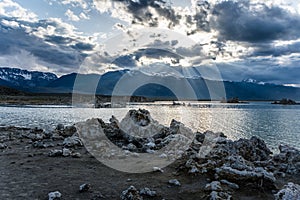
(235, 39)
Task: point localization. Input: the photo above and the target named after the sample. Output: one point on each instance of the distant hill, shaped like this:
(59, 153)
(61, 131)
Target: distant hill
(153, 86)
(10, 91)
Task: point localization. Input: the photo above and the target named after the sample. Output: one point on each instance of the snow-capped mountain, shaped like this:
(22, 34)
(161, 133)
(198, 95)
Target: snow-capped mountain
(22, 79)
(250, 80)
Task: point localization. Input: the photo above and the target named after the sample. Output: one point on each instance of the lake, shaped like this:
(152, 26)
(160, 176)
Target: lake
(276, 124)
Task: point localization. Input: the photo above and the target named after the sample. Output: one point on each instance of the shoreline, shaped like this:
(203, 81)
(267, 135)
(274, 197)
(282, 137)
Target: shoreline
(36, 162)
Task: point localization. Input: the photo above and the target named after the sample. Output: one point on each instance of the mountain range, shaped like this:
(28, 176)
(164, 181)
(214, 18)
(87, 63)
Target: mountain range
(137, 83)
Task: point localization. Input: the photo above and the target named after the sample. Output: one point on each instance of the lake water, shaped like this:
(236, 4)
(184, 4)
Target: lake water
(276, 124)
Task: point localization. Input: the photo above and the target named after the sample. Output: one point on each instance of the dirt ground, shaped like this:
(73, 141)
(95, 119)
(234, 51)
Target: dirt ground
(29, 173)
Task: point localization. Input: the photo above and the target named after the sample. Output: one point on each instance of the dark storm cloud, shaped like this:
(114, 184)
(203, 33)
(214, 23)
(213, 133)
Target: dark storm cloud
(58, 39)
(276, 51)
(132, 59)
(151, 12)
(141, 12)
(51, 49)
(238, 21)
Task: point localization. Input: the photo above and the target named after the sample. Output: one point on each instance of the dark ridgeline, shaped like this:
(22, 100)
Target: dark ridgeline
(46, 83)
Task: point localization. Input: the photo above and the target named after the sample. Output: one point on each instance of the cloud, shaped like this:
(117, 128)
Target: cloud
(9, 8)
(158, 13)
(71, 16)
(254, 22)
(49, 43)
(76, 3)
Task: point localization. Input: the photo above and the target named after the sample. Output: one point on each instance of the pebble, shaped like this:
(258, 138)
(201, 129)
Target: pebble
(174, 182)
(54, 195)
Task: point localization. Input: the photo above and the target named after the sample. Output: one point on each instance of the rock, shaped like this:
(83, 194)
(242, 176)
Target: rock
(147, 192)
(69, 131)
(174, 182)
(131, 194)
(214, 186)
(254, 175)
(84, 187)
(54, 195)
(3, 146)
(56, 137)
(214, 195)
(55, 153)
(39, 144)
(76, 155)
(157, 169)
(72, 141)
(60, 127)
(230, 184)
(193, 170)
(150, 145)
(290, 191)
(131, 147)
(286, 161)
(254, 149)
(66, 152)
(141, 116)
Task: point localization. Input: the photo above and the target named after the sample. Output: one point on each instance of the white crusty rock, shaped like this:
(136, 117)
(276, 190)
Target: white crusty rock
(214, 186)
(230, 184)
(158, 169)
(287, 161)
(148, 192)
(131, 194)
(54, 195)
(72, 141)
(214, 195)
(55, 153)
(66, 152)
(290, 191)
(256, 174)
(174, 182)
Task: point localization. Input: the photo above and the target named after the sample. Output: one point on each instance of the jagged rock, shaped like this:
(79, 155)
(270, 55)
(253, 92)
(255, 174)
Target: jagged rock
(69, 131)
(42, 144)
(131, 194)
(56, 137)
(76, 155)
(214, 186)
(174, 182)
(55, 153)
(131, 147)
(214, 195)
(287, 161)
(54, 195)
(39, 144)
(66, 152)
(3, 146)
(254, 149)
(147, 192)
(60, 127)
(254, 175)
(230, 184)
(290, 191)
(84, 187)
(72, 141)
(141, 116)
